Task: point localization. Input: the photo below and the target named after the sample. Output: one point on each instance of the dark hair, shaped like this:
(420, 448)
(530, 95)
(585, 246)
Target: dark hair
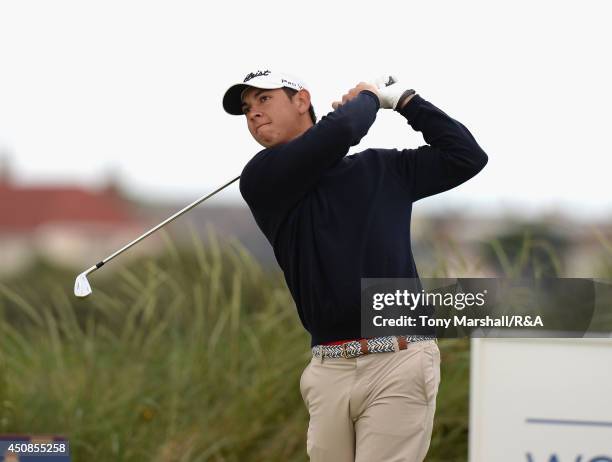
(290, 92)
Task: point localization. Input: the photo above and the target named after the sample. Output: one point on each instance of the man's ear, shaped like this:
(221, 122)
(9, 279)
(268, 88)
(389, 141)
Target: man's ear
(302, 99)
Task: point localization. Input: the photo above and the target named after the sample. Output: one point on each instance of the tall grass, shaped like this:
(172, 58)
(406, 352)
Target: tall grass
(193, 356)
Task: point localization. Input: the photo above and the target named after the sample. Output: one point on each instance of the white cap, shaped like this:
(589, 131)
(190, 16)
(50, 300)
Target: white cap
(232, 100)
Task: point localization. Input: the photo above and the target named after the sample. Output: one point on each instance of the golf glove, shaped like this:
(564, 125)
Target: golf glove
(389, 92)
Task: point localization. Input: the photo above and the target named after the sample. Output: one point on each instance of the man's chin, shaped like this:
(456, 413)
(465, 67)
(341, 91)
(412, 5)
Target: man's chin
(268, 143)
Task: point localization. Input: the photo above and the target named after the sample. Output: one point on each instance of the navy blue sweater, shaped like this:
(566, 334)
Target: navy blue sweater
(333, 219)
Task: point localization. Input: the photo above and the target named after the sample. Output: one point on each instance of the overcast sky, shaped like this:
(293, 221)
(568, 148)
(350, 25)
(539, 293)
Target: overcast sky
(135, 88)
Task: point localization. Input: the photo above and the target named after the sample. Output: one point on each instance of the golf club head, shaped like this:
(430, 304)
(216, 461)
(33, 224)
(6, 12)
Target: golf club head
(81, 286)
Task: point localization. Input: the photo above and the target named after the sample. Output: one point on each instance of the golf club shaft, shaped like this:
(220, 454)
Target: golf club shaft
(163, 223)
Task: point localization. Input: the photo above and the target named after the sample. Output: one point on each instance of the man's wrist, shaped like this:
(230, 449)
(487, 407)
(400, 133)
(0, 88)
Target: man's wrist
(375, 95)
(405, 98)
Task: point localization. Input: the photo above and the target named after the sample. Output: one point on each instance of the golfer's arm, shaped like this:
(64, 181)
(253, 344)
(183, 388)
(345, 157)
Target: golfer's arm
(451, 157)
(280, 176)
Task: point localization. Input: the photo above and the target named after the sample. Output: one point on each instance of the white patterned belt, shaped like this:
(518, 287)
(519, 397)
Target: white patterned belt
(356, 348)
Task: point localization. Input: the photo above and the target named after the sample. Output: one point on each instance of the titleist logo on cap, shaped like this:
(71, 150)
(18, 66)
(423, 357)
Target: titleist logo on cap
(252, 75)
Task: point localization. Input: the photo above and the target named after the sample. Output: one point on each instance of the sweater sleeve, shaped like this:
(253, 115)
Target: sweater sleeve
(451, 157)
(276, 178)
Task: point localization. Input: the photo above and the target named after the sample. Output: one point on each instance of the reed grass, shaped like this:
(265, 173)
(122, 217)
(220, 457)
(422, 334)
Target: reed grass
(192, 356)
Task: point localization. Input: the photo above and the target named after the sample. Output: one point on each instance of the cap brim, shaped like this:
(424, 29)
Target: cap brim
(232, 101)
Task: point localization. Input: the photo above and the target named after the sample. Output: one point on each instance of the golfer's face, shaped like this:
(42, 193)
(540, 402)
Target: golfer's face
(271, 116)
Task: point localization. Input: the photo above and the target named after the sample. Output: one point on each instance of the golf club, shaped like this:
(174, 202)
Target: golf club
(81, 285)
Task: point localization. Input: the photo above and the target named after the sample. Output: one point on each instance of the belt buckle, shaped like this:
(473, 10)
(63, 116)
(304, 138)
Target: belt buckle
(343, 353)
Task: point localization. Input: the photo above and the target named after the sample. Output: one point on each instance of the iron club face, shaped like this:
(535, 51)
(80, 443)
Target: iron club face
(81, 286)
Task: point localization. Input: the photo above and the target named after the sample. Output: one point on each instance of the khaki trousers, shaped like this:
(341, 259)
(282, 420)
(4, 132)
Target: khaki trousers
(373, 408)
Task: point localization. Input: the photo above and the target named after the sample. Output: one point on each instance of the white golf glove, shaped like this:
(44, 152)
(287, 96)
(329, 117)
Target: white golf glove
(389, 91)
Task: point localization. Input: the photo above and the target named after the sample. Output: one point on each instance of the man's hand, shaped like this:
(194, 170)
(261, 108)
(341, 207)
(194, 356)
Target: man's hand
(354, 92)
(389, 91)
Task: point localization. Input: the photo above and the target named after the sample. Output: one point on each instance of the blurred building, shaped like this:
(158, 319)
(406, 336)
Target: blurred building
(66, 224)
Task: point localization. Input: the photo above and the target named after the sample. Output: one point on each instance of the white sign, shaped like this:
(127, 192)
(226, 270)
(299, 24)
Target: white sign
(541, 400)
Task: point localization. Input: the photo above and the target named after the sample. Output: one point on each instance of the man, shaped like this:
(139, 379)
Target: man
(333, 219)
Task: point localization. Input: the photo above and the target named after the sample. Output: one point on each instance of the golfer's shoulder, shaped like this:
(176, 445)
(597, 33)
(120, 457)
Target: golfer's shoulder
(252, 170)
(256, 161)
